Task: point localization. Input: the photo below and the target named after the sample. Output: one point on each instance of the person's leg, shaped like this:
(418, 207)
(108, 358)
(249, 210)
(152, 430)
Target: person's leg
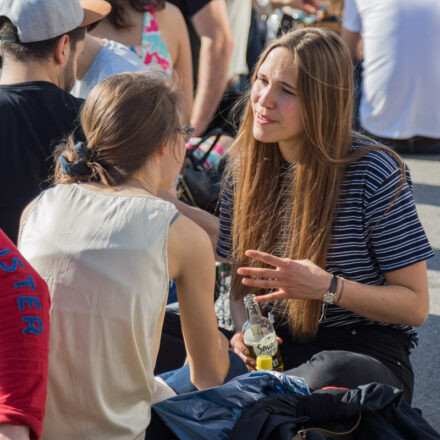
(344, 369)
(172, 352)
(180, 381)
(389, 347)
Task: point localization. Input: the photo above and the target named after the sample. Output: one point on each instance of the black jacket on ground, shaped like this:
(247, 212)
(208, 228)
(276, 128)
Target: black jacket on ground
(384, 416)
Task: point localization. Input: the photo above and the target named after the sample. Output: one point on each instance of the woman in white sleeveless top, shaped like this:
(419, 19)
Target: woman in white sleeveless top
(107, 246)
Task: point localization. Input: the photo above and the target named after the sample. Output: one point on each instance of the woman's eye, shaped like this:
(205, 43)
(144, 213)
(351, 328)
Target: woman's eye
(289, 92)
(263, 80)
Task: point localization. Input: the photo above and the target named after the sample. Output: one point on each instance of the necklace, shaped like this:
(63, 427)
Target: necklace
(134, 184)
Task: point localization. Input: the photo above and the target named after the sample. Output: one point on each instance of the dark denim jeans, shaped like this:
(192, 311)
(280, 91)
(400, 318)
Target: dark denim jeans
(179, 380)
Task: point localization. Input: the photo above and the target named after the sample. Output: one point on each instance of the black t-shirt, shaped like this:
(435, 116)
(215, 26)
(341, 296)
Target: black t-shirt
(189, 8)
(34, 118)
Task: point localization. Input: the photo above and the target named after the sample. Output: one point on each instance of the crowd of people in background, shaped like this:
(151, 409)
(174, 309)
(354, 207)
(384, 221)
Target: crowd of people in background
(99, 101)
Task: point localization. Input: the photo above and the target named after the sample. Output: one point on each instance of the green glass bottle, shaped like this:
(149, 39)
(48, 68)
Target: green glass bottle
(259, 334)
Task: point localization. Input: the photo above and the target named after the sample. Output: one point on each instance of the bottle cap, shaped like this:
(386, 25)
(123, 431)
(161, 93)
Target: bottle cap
(249, 297)
(264, 362)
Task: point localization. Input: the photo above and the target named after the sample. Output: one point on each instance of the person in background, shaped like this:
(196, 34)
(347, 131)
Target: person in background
(400, 86)
(212, 44)
(324, 220)
(24, 345)
(40, 42)
(239, 13)
(108, 251)
(226, 115)
(156, 32)
(100, 59)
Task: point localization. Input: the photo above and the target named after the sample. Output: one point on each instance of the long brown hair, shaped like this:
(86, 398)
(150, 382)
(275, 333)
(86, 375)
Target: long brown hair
(288, 209)
(125, 119)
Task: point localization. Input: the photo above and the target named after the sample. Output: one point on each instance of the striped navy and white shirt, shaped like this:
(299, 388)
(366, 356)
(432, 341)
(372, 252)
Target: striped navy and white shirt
(369, 238)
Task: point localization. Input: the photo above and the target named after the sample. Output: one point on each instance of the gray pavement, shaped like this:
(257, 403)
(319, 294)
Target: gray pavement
(425, 173)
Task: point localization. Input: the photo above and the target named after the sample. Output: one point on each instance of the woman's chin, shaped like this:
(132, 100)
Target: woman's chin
(262, 136)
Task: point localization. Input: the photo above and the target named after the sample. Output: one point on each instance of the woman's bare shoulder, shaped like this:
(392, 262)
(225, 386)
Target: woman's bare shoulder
(188, 245)
(188, 234)
(170, 17)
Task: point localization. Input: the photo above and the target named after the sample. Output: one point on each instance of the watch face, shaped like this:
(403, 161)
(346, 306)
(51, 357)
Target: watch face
(329, 298)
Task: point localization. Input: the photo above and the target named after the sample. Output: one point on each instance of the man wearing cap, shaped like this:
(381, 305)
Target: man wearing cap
(40, 41)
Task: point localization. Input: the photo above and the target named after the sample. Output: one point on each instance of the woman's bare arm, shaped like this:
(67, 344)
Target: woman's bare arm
(191, 265)
(208, 222)
(404, 300)
(352, 40)
(175, 33)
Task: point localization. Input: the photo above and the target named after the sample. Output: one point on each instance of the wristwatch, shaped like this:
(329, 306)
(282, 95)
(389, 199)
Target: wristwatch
(329, 297)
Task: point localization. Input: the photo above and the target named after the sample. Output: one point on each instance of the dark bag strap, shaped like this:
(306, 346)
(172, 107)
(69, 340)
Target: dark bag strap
(302, 434)
(198, 163)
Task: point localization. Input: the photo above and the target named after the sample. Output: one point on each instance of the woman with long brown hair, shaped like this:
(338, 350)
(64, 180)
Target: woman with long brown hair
(321, 222)
(107, 247)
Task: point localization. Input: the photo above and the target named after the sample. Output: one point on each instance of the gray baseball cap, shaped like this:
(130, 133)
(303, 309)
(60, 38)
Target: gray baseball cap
(38, 20)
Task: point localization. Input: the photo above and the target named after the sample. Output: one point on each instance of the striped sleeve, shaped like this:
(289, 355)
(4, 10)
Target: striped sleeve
(395, 233)
(224, 244)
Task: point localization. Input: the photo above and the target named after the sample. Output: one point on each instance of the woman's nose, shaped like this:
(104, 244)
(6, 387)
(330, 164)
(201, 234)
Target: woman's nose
(267, 98)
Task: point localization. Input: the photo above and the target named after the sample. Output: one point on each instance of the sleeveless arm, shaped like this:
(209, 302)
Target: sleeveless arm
(175, 34)
(191, 264)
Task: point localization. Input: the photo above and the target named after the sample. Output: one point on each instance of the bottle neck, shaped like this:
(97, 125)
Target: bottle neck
(253, 312)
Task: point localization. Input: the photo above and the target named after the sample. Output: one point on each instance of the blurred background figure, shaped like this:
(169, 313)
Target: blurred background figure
(239, 15)
(100, 59)
(156, 32)
(401, 70)
(39, 53)
(211, 46)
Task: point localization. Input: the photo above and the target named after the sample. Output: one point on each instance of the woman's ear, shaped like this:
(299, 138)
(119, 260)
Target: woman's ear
(162, 151)
(61, 50)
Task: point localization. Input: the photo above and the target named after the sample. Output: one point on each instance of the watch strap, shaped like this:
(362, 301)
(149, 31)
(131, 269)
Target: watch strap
(329, 297)
(341, 291)
(333, 285)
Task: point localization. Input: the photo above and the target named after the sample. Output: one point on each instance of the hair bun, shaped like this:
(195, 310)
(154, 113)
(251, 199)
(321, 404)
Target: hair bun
(79, 167)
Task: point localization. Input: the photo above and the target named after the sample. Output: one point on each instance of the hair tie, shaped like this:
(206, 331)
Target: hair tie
(79, 167)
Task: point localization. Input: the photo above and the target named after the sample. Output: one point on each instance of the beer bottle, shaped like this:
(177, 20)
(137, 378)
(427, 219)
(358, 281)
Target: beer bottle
(259, 334)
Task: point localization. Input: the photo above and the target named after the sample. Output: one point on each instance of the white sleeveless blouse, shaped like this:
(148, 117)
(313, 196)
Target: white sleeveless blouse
(104, 257)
